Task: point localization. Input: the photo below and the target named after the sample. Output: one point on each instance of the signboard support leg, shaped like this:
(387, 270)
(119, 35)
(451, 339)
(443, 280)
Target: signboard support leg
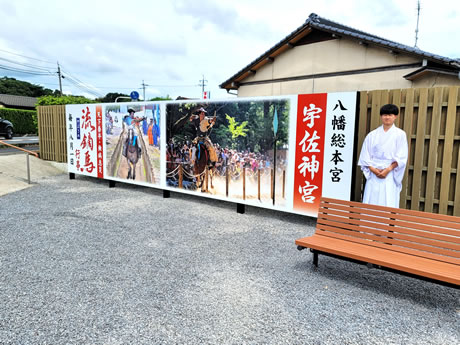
(240, 208)
(284, 183)
(166, 194)
(226, 181)
(111, 184)
(71, 176)
(272, 184)
(258, 183)
(244, 183)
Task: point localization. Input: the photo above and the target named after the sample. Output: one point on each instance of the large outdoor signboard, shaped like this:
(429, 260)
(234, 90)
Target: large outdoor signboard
(280, 152)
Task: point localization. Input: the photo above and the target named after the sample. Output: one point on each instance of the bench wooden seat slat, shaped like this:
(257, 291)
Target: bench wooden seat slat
(379, 256)
(419, 243)
(361, 225)
(387, 242)
(397, 220)
(353, 204)
(429, 238)
(398, 239)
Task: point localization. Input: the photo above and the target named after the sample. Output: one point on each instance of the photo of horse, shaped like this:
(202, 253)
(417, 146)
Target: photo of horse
(233, 149)
(133, 142)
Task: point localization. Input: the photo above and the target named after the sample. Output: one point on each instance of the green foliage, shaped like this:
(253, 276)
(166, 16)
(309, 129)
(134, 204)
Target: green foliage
(166, 98)
(58, 100)
(112, 96)
(235, 129)
(11, 86)
(222, 136)
(24, 121)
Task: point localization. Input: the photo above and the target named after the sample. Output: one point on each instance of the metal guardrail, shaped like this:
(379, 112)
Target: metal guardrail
(28, 153)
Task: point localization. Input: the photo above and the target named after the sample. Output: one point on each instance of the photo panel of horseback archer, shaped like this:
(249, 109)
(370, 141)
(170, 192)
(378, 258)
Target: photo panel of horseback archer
(236, 149)
(133, 142)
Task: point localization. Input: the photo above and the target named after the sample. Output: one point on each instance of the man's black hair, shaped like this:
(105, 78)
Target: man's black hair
(389, 109)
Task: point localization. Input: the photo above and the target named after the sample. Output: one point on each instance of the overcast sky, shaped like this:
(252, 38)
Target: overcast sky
(112, 46)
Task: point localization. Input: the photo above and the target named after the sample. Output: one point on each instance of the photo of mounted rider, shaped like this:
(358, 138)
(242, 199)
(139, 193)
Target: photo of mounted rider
(227, 149)
(133, 142)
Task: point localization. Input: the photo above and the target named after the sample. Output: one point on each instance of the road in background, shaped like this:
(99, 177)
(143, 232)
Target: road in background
(22, 140)
(28, 143)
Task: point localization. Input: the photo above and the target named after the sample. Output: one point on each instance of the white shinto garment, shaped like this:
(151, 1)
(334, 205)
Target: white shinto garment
(379, 150)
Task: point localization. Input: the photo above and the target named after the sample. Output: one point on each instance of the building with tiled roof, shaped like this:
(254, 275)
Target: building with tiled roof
(324, 56)
(17, 102)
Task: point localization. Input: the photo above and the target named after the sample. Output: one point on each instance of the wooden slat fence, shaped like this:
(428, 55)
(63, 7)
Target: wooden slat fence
(431, 119)
(52, 133)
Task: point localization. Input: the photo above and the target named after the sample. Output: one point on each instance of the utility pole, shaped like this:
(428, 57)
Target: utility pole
(143, 88)
(416, 29)
(60, 76)
(202, 84)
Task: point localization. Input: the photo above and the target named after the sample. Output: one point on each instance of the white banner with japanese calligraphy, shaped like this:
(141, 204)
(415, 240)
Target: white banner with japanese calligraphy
(338, 145)
(278, 152)
(324, 149)
(85, 139)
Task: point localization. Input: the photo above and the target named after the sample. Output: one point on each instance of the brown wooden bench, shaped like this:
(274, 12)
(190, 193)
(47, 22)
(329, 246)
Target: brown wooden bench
(419, 244)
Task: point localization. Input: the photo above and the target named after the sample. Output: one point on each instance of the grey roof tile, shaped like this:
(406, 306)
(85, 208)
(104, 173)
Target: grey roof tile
(17, 101)
(316, 21)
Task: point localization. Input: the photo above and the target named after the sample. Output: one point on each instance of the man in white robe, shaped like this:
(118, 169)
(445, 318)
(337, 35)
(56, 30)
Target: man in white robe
(383, 160)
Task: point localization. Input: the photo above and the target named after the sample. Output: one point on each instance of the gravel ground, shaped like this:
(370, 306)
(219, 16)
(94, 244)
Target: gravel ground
(85, 264)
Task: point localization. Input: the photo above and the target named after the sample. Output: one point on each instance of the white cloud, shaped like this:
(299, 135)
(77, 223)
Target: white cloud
(115, 45)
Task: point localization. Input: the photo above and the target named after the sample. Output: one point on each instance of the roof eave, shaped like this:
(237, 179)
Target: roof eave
(426, 69)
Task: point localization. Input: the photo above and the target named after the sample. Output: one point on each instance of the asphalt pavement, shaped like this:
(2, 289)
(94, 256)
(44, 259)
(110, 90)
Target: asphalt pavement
(82, 263)
(22, 140)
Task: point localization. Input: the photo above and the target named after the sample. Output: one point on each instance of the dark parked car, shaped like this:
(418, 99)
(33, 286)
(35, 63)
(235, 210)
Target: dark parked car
(6, 128)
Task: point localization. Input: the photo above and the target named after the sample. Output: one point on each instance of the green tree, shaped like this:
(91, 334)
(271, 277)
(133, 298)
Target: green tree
(165, 98)
(237, 130)
(11, 86)
(112, 96)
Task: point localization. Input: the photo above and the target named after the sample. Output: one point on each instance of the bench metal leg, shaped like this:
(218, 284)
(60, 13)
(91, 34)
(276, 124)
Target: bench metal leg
(71, 176)
(315, 259)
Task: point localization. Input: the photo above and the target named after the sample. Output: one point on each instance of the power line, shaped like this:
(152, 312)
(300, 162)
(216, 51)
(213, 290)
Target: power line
(53, 84)
(81, 87)
(18, 70)
(25, 64)
(33, 69)
(28, 57)
(90, 88)
(140, 88)
(77, 82)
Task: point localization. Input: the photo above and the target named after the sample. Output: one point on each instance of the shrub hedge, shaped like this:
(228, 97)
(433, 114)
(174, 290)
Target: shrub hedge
(24, 121)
